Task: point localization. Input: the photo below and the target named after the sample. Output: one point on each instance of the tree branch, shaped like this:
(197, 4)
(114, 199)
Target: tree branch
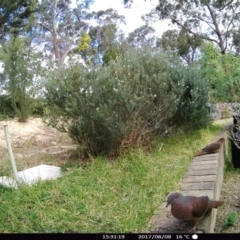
(194, 33)
(226, 5)
(221, 44)
(200, 18)
(226, 33)
(43, 26)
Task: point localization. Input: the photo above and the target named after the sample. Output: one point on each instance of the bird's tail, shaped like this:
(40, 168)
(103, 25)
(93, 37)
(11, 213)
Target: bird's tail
(216, 204)
(200, 153)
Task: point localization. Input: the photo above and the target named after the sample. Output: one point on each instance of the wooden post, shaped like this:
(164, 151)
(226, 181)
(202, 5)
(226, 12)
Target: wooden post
(10, 152)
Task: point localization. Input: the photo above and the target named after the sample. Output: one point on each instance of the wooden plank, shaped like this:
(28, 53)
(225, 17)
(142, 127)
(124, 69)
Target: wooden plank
(198, 186)
(202, 167)
(201, 172)
(204, 178)
(199, 193)
(208, 157)
(197, 161)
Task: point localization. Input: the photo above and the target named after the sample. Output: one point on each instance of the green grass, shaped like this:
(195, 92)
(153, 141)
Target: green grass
(103, 196)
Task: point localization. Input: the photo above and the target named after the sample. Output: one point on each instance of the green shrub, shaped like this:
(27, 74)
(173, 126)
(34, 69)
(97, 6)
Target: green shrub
(192, 111)
(88, 107)
(222, 72)
(38, 106)
(119, 105)
(6, 109)
(21, 65)
(22, 105)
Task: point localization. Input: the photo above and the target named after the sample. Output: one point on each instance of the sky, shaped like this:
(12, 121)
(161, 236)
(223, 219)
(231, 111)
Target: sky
(133, 15)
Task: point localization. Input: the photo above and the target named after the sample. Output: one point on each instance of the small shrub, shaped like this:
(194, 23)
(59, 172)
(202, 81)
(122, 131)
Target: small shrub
(192, 110)
(121, 104)
(6, 109)
(22, 105)
(38, 107)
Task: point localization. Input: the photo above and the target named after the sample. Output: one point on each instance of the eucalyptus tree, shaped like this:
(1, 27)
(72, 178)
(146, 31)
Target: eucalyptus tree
(106, 38)
(236, 40)
(210, 20)
(142, 35)
(15, 15)
(186, 45)
(60, 25)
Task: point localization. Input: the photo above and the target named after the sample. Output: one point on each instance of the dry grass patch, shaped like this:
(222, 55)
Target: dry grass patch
(34, 143)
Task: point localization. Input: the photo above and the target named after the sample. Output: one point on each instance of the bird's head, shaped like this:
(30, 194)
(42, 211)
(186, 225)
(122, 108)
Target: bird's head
(221, 140)
(172, 197)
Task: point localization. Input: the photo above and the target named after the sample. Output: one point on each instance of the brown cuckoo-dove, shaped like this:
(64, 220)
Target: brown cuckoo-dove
(190, 208)
(210, 148)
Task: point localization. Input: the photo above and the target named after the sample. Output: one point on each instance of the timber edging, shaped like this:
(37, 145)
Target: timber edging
(204, 177)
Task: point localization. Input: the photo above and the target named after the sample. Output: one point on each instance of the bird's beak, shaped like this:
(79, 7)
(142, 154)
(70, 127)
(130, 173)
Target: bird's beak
(167, 205)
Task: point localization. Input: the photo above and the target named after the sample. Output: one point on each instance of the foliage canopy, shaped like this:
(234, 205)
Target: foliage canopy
(125, 103)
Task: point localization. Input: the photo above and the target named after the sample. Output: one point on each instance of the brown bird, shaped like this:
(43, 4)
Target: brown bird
(210, 148)
(190, 208)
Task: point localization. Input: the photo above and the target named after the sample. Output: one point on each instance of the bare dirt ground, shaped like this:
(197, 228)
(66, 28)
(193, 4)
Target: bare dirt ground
(33, 143)
(231, 195)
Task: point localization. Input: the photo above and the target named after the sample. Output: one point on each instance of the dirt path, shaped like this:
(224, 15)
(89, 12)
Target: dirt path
(33, 143)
